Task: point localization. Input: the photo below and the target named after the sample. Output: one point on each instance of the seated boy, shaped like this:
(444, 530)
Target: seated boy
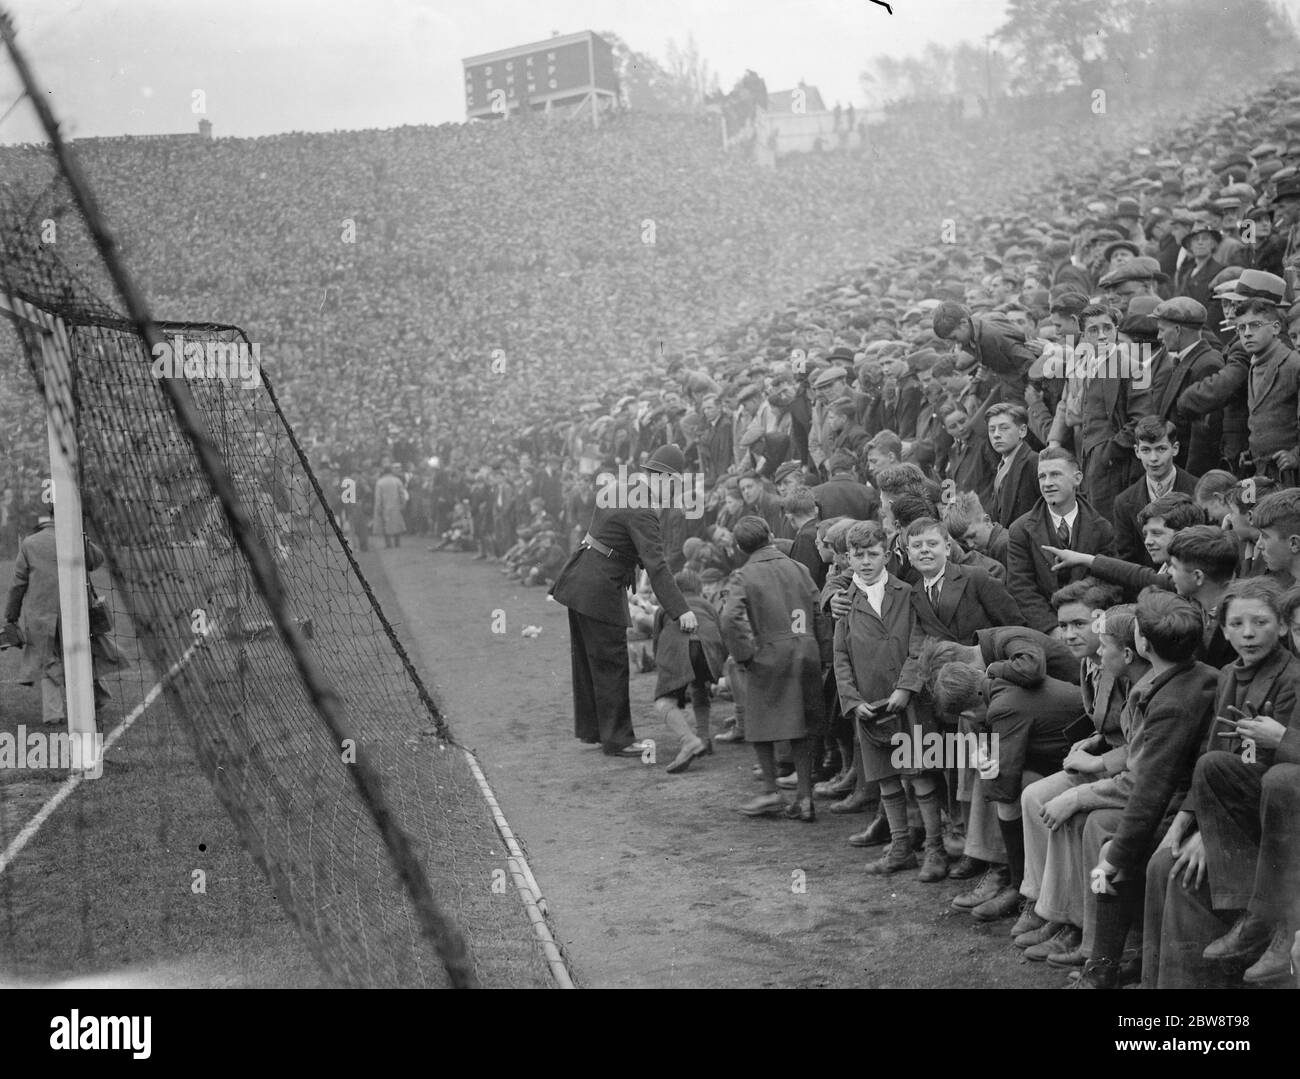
(1173, 708)
(1233, 846)
(1056, 809)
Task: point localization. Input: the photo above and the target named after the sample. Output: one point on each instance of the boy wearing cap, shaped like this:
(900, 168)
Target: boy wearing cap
(1109, 409)
(1272, 389)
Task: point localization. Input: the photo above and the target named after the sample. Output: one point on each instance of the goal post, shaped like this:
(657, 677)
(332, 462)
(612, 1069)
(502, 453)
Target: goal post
(64, 492)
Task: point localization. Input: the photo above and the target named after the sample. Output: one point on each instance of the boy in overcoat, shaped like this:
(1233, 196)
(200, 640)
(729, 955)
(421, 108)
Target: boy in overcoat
(774, 627)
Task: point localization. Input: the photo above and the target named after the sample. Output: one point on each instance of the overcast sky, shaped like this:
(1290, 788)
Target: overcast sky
(117, 67)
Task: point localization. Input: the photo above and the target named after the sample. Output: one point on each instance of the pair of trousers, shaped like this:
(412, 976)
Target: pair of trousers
(602, 705)
(1177, 924)
(1098, 829)
(1051, 858)
(1250, 817)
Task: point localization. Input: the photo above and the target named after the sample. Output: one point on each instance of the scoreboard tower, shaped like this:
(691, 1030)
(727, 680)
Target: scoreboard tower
(573, 71)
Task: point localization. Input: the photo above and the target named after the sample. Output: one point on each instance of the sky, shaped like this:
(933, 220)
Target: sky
(132, 67)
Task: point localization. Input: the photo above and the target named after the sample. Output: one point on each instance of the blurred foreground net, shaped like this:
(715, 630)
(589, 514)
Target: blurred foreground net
(257, 725)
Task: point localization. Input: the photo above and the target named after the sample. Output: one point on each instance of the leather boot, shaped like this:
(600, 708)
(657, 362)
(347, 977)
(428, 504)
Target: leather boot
(935, 866)
(876, 832)
(856, 802)
(1098, 974)
(897, 857)
(1275, 963)
(801, 809)
(1246, 941)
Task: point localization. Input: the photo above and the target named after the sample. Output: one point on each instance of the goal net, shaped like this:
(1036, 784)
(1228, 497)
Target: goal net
(304, 711)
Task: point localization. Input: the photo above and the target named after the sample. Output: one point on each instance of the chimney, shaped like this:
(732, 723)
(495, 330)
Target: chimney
(205, 129)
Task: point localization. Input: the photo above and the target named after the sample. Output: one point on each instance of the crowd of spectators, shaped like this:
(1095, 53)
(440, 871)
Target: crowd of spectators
(1054, 400)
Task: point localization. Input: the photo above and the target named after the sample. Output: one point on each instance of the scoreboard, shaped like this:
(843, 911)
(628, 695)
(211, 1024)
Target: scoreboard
(560, 71)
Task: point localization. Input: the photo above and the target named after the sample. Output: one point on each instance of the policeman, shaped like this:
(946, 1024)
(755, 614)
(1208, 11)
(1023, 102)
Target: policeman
(624, 534)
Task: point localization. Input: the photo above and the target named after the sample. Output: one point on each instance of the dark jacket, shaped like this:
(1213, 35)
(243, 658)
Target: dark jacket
(1276, 681)
(1024, 656)
(673, 647)
(596, 586)
(1129, 503)
(1176, 709)
(1196, 284)
(843, 496)
(1222, 392)
(1273, 398)
(907, 410)
(960, 556)
(999, 346)
(800, 423)
(1029, 573)
(1019, 490)
(1200, 435)
(803, 549)
(716, 449)
(870, 651)
(999, 539)
(969, 601)
(971, 467)
(773, 624)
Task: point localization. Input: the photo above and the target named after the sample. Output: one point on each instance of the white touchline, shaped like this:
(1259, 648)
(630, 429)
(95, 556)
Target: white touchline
(29, 830)
(525, 883)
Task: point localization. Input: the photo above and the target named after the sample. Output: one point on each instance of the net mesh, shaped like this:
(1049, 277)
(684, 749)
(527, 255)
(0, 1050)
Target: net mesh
(183, 594)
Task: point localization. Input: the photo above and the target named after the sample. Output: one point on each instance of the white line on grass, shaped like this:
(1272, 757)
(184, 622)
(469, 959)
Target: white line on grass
(73, 781)
(525, 882)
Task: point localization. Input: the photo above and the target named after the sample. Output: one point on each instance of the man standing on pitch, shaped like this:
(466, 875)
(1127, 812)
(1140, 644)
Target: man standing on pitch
(624, 534)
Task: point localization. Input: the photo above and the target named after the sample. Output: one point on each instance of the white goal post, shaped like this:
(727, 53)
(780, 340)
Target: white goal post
(69, 536)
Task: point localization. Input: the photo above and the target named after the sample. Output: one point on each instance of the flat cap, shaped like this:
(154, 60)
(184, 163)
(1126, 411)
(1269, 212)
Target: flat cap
(1183, 310)
(830, 376)
(785, 469)
(1142, 268)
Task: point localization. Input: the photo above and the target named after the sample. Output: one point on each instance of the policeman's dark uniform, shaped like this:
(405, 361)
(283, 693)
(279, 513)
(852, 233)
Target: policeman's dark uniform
(593, 584)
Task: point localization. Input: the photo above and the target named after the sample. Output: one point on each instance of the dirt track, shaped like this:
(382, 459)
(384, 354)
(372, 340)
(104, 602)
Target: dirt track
(654, 880)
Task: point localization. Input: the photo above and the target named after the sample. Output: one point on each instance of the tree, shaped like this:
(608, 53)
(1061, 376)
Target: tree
(1056, 43)
(642, 79)
(689, 73)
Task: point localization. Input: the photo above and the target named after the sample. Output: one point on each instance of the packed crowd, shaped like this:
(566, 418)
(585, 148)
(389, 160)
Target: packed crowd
(1039, 504)
(464, 293)
(1038, 468)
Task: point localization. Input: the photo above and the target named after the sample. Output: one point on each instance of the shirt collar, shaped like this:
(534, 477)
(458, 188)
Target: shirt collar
(1069, 518)
(1164, 487)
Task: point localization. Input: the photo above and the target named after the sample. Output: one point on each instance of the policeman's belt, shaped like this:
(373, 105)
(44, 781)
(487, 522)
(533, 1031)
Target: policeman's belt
(590, 542)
